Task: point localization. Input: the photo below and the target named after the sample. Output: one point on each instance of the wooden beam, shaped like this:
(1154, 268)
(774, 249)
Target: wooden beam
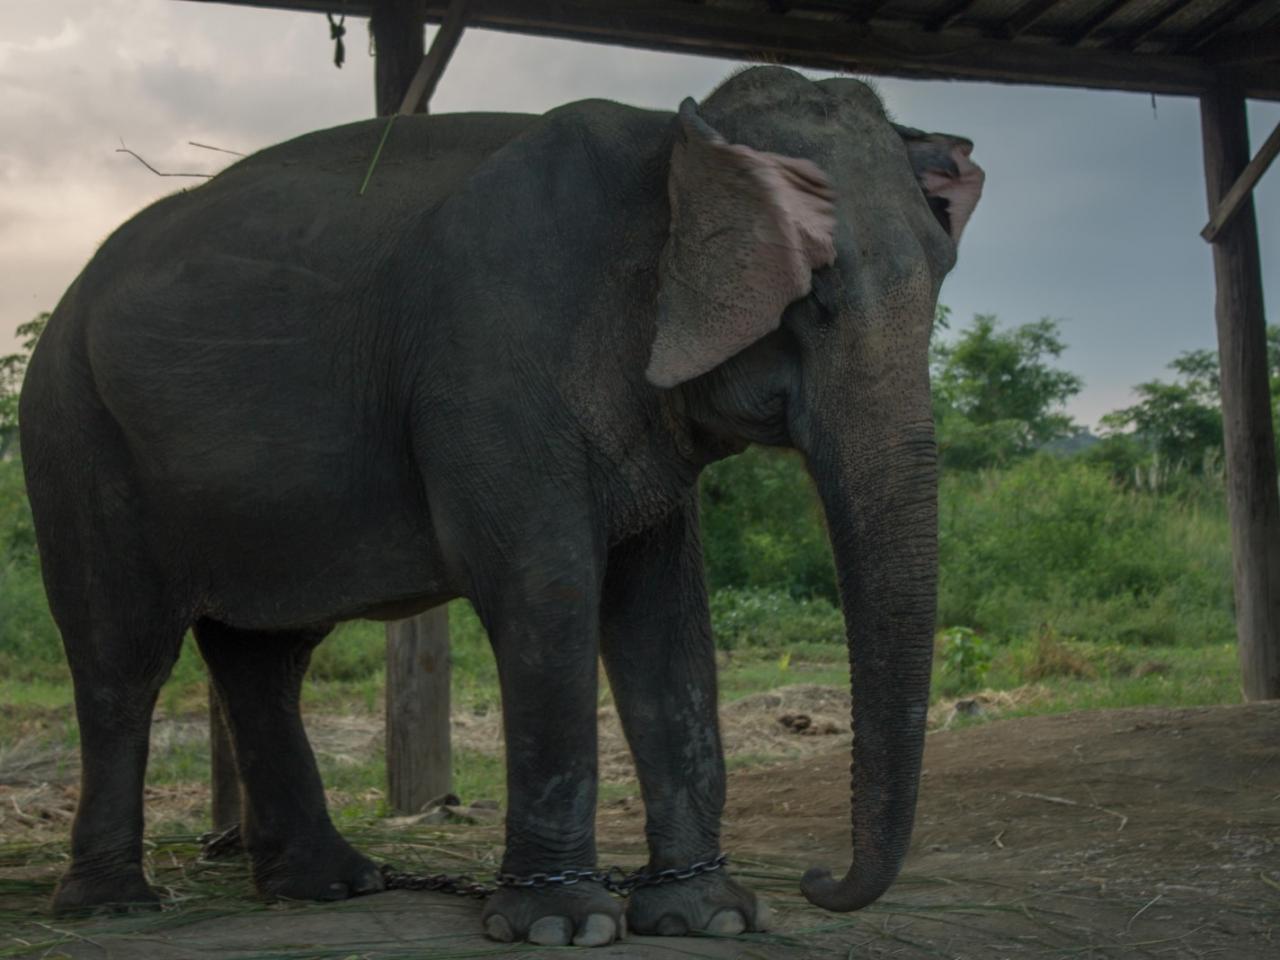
(397, 31)
(953, 13)
(1022, 21)
(1226, 14)
(417, 98)
(680, 27)
(1256, 46)
(1253, 503)
(863, 12)
(1087, 29)
(1128, 39)
(826, 45)
(419, 753)
(1242, 189)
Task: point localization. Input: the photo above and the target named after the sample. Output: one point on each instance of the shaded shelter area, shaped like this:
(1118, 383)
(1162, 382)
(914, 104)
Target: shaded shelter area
(1160, 46)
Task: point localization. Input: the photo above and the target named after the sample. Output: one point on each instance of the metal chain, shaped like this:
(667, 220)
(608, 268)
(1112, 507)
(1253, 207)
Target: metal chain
(228, 842)
(615, 879)
(460, 886)
(640, 878)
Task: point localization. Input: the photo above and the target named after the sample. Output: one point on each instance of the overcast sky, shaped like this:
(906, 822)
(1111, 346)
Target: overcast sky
(1092, 210)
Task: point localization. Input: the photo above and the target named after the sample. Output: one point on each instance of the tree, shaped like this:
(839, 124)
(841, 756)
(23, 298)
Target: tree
(1180, 423)
(12, 369)
(996, 395)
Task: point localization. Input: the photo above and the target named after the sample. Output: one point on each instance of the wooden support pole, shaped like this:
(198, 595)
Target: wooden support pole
(1252, 498)
(223, 778)
(1243, 187)
(397, 29)
(417, 98)
(419, 754)
(419, 757)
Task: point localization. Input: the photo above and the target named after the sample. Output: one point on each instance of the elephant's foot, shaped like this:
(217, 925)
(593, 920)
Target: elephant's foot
(311, 868)
(708, 904)
(582, 914)
(118, 891)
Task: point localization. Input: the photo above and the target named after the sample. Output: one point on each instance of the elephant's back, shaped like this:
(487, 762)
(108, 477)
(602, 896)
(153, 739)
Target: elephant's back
(334, 200)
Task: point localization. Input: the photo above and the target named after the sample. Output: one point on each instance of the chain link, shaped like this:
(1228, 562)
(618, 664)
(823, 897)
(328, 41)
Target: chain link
(229, 842)
(615, 879)
(460, 885)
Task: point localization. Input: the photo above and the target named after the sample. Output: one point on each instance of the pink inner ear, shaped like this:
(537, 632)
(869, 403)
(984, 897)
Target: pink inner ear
(803, 223)
(748, 229)
(961, 190)
(806, 198)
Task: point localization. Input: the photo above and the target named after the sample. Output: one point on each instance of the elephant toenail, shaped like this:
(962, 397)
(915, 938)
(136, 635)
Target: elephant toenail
(497, 928)
(672, 926)
(727, 923)
(551, 932)
(597, 931)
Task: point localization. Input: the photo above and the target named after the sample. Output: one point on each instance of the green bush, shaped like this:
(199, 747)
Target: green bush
(965, 658)
(772, 618)
(1053, 541)
(30, 645)
(762, 526)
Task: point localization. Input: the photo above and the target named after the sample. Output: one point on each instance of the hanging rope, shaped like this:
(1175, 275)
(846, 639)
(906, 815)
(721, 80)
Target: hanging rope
(336, 32)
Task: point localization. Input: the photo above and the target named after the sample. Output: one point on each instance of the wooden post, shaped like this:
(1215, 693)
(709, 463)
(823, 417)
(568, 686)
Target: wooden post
(417, 97)
(1252, 499)
(419, 754)
(397, 27)
(419, 757)
(224, 778)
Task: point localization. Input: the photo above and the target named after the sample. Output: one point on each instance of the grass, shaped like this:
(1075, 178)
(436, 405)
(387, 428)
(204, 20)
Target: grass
(1070, 674)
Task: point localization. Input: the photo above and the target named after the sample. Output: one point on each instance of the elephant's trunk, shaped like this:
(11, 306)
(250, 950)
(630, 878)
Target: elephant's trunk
(880, 496)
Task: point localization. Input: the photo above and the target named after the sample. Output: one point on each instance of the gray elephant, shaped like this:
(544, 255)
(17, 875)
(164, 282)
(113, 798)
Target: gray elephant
(270, 404)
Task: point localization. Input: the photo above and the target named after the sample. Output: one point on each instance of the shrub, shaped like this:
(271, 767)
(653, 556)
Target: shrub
(762, 526)
(1053, 657)
(1056, 541)
(965, 657)
(764, 618)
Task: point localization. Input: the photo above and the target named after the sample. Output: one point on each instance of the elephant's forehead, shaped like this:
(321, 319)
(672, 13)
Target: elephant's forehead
(860, 95)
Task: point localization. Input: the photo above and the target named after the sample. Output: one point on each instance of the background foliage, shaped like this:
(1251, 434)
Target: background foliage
(996, 395)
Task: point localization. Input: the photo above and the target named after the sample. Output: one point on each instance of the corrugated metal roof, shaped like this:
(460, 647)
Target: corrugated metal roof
(1165, 46)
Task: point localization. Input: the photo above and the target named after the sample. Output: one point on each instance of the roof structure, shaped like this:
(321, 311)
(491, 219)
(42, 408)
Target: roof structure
(1157, 46)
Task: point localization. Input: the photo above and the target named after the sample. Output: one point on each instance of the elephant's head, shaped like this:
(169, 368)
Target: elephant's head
(809, 238)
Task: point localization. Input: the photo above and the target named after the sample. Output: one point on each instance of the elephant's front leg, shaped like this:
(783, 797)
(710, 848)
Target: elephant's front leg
(545, 634)
(658, 650)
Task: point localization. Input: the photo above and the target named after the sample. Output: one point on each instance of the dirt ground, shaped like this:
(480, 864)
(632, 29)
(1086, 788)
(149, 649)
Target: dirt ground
(1141, 832)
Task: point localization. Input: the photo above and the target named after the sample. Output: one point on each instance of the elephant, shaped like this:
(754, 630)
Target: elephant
(279, 401)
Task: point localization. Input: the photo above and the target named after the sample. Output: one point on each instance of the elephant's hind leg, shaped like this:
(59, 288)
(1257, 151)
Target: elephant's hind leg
(295, 849)
(118, 668)
(122, 633)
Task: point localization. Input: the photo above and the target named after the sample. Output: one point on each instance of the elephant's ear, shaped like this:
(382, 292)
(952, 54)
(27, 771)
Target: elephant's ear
(747, 230)
(951, 182)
